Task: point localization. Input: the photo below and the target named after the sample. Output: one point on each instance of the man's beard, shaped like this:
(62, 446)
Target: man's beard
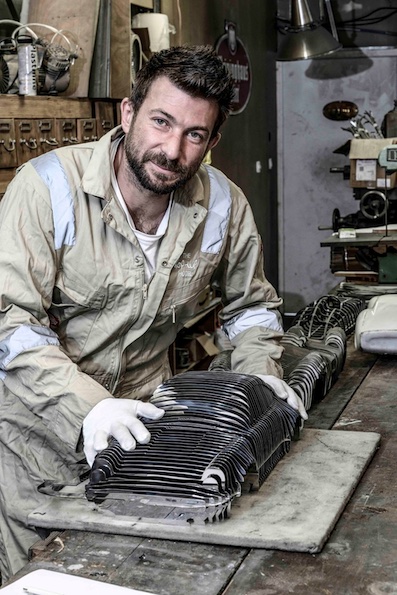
(160, 184)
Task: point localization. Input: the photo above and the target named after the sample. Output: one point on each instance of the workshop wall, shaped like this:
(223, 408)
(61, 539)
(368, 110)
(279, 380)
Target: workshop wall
(308, 191)
(307, 141)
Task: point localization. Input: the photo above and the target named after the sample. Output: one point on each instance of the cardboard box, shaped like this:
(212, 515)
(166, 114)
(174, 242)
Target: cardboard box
(195, 348)
(365, 171)
(200, 346)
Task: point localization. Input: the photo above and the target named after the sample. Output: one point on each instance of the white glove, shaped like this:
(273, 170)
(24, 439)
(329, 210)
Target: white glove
(285, 392)
(117, 418)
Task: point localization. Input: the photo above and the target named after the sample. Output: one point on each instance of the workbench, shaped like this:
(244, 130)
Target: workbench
(369, 257)
(363, 238)
(360, 556)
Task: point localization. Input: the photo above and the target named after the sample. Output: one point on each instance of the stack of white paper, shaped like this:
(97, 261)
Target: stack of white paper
(48, 582)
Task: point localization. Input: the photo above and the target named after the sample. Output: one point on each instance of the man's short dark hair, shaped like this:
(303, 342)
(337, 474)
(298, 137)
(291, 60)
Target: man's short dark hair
(197, 70)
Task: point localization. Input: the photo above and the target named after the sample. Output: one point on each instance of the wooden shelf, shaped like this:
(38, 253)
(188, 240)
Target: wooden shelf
(143, 3)
(44, 106)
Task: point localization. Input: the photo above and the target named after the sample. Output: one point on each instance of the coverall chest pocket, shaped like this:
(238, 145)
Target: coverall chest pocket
(182, 301)
(75, 296)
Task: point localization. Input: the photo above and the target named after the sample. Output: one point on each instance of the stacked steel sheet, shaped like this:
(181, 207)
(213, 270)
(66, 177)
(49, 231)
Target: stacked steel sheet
(218, 426)
(315, 345)
(329, 312)
(311, 366)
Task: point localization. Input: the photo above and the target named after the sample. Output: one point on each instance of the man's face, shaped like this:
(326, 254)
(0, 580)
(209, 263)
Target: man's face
(167, 139)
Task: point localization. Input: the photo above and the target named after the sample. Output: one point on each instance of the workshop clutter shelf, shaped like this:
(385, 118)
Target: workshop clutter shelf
(369, 256)
(363, 245)
(31, 126)
(195, 345)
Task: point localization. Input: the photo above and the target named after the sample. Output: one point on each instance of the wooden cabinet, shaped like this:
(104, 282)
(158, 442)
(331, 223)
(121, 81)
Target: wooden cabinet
(30, 126)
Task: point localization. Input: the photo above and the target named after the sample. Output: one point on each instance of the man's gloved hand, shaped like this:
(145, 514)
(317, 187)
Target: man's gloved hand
(285, 392)
(117, 418)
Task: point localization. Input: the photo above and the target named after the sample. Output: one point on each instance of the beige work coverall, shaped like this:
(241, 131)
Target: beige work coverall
(79, 322)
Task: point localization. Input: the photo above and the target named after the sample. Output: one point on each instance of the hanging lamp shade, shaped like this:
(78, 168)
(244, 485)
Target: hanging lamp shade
(305, 38)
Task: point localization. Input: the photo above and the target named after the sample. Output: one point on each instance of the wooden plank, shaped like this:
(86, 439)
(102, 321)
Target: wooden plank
(78, 18)
(323, 414)
(143, 3)
(120, 57)
(166, 567)
(374, 404)
(15, 106)
(360, 556)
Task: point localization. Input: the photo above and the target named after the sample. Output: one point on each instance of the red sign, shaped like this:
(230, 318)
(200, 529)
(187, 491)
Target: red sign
(234, 56)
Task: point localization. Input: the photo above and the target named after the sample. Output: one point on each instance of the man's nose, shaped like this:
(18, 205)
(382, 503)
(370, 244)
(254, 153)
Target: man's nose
(172, 146)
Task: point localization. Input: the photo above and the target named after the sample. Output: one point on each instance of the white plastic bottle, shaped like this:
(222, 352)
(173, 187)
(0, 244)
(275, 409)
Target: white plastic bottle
(27, 66)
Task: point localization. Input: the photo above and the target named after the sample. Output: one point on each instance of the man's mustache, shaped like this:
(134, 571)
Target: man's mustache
(163, 161)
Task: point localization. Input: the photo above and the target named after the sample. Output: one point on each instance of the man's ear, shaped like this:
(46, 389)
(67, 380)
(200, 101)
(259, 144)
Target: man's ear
(214, 141)
(127, 112)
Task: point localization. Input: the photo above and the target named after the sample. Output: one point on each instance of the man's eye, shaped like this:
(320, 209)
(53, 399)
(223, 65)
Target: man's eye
(160, 122)
(196, 136)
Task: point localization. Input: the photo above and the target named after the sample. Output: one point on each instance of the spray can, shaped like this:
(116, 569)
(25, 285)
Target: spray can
(27, 66)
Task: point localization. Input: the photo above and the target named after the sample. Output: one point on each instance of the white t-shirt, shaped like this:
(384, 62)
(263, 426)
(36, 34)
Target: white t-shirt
(150, 243)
